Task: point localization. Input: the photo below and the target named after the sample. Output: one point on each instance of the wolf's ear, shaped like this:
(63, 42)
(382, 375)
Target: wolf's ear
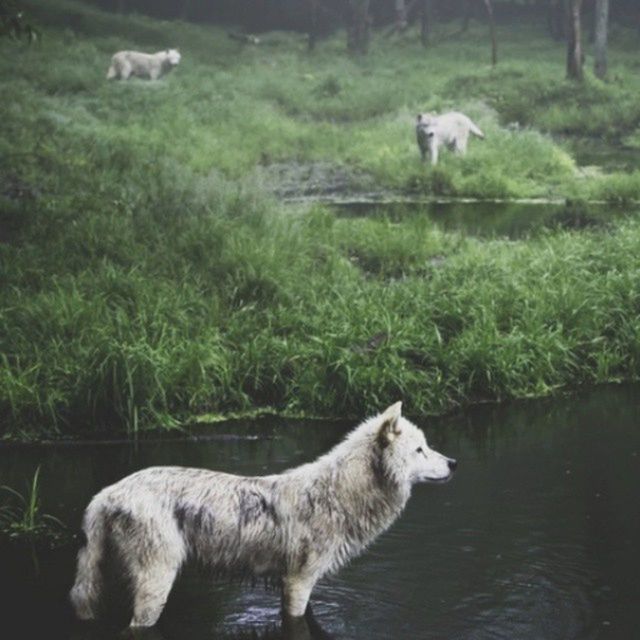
(419, 117)
(390, 424)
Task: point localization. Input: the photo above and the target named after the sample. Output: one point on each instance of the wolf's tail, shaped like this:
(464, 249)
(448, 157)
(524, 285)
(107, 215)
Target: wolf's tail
(85, 593)
(111, 73)
(475, 129)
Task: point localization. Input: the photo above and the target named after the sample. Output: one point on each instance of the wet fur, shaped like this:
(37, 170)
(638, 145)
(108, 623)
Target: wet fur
(290, 529)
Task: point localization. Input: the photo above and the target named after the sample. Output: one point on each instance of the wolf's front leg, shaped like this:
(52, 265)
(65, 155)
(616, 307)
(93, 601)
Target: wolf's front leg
(433, 151)
(295, 594)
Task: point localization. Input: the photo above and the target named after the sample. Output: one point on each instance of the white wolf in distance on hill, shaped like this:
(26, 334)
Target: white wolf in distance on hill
(292, 528)
(449, 129)
(125, 64)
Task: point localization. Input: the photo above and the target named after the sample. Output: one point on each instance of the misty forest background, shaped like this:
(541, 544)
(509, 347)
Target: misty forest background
(167, 252)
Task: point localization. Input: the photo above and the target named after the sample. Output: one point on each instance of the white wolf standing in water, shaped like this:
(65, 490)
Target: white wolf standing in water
(293, 527)
(450, 129)
(125, 64)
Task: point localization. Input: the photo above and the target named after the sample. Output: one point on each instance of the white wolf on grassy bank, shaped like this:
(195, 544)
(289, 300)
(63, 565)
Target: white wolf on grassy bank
(125, 64)
(449, 129)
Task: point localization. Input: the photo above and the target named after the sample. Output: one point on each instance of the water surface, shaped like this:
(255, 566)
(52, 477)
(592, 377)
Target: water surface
(535, 538)
(609, 156)
(494, 219)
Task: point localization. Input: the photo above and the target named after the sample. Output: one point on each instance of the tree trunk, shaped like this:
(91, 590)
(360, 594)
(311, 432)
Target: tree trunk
(558, 18)
(492, 27)
(466, 14)
(426, 18)
(313, 24)
(552, 19)
(358, 26)
(401, 15)
(601, 33)
(185, 11)
(574, 43)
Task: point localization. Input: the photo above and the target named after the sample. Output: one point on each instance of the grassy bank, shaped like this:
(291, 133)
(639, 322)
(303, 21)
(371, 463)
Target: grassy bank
(234, 108)
(148, 276)
(198, 303)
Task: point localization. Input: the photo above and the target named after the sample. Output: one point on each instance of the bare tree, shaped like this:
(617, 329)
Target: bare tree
(492, 28)
(185, 9)
(358, 26)
(601, 33)
(557, 18)
(426, 19)
(401, 15)
(313, 23)
(467, 10)
(575, 57)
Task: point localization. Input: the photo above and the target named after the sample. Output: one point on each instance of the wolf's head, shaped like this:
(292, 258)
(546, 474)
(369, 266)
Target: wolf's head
(425, 123)
(406, 457)
(172, 56)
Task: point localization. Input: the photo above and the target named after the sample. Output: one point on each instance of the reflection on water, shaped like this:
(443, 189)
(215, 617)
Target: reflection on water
(306, 628)
(493, 219)
(600, 152)
(535, 538)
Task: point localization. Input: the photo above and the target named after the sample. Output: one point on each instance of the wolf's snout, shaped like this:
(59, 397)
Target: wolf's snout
(452, 464)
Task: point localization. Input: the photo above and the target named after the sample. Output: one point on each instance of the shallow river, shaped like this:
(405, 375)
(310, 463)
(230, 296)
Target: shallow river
(537, 537)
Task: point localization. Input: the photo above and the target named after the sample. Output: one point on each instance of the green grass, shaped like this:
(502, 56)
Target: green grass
(232, 108)
(21, 516)
(139, 320)
(148, 276)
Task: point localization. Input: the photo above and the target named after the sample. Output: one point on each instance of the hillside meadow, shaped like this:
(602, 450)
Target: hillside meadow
(151, 274)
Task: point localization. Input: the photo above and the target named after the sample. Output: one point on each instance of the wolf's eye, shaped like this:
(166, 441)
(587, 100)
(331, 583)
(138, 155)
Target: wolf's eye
(419, 450)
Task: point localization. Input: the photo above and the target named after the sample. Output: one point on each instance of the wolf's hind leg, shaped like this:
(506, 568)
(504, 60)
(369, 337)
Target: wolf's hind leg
(153, 563)
(296, 591)
(125, 71)
(461, 144)
(150, 592)
(86, 591)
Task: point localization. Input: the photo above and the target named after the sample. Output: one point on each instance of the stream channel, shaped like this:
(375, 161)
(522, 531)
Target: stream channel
(536, 537)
